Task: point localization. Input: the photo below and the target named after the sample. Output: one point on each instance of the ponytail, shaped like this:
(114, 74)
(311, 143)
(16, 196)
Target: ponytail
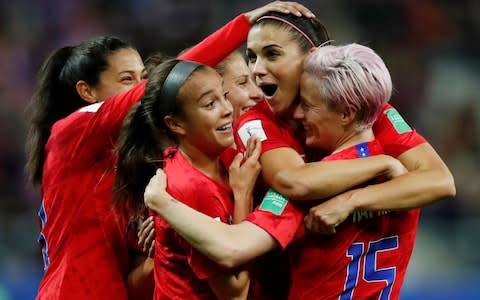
(52, 101)
(138, 161)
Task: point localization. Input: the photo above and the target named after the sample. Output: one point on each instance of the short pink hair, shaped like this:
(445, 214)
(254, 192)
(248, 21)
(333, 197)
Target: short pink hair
(352, 75)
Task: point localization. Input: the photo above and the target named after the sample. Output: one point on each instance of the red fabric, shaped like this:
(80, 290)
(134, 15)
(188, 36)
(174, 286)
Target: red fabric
(393, 142)
(85, 242)
(319, 264)
(181, 271)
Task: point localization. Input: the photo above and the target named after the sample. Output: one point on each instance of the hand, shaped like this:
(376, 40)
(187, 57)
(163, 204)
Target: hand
(323, 218)
(244, 170)
(395, 169)
(146, 236)
(285, 7)
(155, 192)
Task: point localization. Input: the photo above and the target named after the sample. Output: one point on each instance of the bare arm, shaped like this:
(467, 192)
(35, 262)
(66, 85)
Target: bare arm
(227, 245)
(140, 281)
(427, 181)
(298, 180)
(231, 284)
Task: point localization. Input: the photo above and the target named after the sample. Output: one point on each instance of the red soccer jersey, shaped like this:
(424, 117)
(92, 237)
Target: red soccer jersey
(83, 241)
(180, 271)
(366, 259)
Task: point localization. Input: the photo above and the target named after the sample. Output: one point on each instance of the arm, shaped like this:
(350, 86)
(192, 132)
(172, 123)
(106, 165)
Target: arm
(427, 181)
(227, 245)
(222, 42)
(140, 281)
(231, 284)
(298, 180)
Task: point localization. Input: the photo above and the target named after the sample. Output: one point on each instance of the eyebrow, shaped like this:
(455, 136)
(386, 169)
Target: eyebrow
(266, 47)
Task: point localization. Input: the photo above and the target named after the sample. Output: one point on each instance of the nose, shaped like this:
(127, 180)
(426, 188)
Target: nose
(227, 108)
(254, 92)
(258, 69)
(298, 114)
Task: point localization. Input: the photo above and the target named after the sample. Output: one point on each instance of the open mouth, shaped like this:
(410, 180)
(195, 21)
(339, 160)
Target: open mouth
(269, 89)
(225, 127)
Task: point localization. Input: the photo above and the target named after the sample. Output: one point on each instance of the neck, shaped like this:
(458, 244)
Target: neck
(208, 164)
(353, 138)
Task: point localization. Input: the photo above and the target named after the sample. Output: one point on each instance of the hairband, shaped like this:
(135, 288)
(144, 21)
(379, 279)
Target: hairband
(291, 25)
(175, 79)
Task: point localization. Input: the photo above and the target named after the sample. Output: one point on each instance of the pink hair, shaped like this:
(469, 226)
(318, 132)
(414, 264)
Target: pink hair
(354, 76)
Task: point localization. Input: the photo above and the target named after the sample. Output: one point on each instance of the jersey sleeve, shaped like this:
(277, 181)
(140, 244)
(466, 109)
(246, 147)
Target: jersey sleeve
(270, 134)
(104, 128)
(277, 216)
(219, 44)
(394, 133)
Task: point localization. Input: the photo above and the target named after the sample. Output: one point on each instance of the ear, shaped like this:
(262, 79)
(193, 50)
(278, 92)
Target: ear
(175, 125)
(348, 115)
(86, 92)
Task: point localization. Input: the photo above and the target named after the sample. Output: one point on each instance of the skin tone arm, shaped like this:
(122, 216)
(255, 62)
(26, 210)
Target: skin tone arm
(298, 180)
(427, 181)
(140, 281)
(228, 245)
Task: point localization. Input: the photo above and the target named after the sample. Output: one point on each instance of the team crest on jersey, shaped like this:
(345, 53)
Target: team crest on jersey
(251, 128)
(397, 121)
(274, 202)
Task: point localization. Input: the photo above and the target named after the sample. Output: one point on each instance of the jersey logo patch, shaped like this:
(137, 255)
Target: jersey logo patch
(91, 108)
(251, 128)
(397, 121)
(274, 202)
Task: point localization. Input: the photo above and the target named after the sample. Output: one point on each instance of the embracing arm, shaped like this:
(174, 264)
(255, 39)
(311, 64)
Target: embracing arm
(231, 284)
(427, 181)
(218, 45)
(227, 245)
(298, 180)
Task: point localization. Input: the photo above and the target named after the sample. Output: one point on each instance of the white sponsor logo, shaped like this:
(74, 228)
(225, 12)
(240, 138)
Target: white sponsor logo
(252, 128)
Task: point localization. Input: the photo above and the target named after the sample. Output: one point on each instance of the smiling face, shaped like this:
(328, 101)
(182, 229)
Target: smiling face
(276, 62)
(125, 70)
(242, 92)
(324, 126)
(206, 118)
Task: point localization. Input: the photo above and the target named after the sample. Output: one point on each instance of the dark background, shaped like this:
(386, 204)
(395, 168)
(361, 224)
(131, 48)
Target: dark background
(430, 47)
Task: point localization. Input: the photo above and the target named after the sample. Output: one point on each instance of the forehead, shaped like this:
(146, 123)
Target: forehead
(201, 82)
(269, 34)
(236, 67)
(309, 87)
(125, 59)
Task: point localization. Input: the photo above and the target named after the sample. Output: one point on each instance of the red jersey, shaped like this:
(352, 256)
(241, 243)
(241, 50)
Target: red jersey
(390, 128)
(83, 240)
(181, 271)
(366, 259)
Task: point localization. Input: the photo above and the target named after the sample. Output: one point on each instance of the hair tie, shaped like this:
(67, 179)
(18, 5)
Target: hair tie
(291, 25)
(175, 80)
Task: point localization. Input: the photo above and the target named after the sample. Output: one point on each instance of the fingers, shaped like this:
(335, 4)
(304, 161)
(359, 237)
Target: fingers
(296, 9)
(145, 228)
(285, 7)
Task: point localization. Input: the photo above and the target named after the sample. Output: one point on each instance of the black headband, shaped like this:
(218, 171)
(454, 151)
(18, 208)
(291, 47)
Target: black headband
(175, 80)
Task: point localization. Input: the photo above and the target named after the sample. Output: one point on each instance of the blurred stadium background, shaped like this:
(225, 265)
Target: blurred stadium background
(431, 47)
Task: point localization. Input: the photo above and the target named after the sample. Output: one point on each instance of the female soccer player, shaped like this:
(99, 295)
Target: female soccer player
(184, 105)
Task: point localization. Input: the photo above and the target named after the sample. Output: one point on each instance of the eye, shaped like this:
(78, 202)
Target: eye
(210, 104)
(251, 57)
(126, 78)
(272, 54)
